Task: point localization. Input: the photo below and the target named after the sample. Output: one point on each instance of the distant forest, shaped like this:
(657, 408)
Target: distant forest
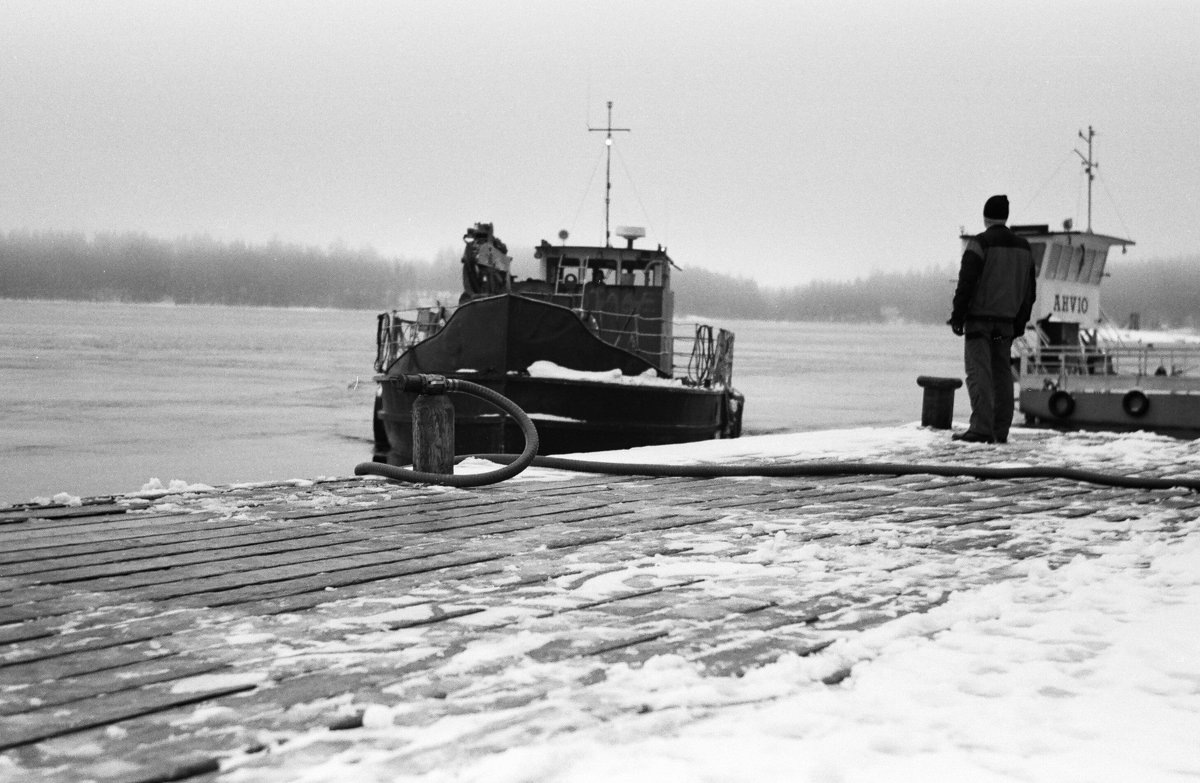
(199, 270)
(1165, 293)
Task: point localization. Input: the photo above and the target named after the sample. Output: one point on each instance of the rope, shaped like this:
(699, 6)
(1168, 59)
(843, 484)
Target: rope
(700, 364)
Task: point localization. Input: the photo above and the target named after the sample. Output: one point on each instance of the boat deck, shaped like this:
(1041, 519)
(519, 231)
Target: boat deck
(180, 635)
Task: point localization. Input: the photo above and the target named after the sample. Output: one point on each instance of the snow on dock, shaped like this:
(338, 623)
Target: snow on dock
(571, 627)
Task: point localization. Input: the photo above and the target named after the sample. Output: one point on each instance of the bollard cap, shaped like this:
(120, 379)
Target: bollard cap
(932, 382)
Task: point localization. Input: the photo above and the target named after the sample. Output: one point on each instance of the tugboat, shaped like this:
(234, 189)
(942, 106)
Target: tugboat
(1073, 369)
(588, 349)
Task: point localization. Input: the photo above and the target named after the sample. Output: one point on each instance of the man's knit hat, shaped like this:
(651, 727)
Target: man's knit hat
(996, 208)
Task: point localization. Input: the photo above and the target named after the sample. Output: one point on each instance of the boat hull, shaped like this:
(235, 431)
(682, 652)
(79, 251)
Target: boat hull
(494, 341)
(570, 416)
(1113, 409)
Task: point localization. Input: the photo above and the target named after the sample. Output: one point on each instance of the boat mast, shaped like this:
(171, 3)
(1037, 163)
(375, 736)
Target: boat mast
(1089, 166)
(608, 169)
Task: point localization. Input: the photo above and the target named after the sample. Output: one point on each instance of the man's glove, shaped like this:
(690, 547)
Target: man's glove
(957, 326)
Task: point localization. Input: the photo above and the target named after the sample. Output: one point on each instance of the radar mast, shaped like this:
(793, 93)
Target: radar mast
(1090, 167)
(608, 142)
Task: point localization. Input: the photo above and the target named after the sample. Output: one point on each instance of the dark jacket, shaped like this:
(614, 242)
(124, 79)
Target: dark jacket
(996, 280)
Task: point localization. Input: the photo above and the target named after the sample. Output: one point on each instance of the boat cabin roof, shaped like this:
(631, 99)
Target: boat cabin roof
(632, 259)
(1044, 232)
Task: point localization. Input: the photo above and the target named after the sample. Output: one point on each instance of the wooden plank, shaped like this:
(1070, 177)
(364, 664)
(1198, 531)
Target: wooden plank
(131, 528)
(155, 585)
(320, 582)
(532, 510)
(190, 552)
(244, 550)
(90, 509)
(79, 687)
(27, 631)
(31, 727)
(23, 548)
(88, 651)
(744, 653)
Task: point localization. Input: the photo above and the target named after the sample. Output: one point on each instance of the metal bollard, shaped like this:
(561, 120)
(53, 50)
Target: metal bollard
(937, 407)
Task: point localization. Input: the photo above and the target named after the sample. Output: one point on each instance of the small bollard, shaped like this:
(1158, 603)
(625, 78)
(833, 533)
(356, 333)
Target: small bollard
(937, 407)
(433, 434)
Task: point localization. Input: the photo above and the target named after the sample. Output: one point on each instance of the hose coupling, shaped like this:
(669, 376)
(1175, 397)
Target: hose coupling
(425, 383)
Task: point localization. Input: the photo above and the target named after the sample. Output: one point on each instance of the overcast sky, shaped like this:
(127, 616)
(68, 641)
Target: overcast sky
(785, 141)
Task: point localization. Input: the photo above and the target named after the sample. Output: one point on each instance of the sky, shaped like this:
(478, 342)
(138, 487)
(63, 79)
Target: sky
(781, 141)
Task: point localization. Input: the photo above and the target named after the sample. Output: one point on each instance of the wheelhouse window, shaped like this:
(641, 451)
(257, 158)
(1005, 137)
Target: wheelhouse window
(1056, 252)
(1068, 268)
(1038, 250)
(1098, 267)
(1084, 269)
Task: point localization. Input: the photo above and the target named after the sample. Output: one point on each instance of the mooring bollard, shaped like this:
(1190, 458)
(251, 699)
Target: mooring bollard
(937, 407)
(433, 434)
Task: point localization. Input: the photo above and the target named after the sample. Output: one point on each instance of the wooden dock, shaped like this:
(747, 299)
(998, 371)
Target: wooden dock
(181, 635)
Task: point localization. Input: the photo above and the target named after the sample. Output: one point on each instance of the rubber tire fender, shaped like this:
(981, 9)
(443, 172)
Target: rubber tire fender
(1061, 404)
(1135, 403)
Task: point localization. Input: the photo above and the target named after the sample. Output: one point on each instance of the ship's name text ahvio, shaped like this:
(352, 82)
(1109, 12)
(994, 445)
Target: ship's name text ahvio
(1070, 304)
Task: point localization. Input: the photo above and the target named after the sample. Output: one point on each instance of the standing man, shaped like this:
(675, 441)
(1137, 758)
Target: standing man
(992, 304)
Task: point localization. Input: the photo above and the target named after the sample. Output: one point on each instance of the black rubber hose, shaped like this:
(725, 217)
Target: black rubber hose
(513, 464)
(837, 468)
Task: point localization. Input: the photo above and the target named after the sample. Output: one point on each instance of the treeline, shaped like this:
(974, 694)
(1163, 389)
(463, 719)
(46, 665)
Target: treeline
(908, 296)
(1165, 293)
(920, 297)
(199, 270)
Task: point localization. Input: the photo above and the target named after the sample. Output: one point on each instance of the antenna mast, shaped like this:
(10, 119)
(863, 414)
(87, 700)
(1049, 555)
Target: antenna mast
(1090, 167)
(608, 169)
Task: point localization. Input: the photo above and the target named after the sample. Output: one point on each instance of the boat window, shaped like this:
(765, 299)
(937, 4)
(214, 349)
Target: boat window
(569, 272)
(1098, 269)
(1038, 249)
(1086, 264)
(1068, 268)
(1052, 263)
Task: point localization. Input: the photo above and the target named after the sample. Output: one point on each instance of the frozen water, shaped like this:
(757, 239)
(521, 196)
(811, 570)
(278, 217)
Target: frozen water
(101, 398)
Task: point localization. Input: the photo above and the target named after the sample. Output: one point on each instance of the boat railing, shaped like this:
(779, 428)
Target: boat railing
(398, 330)
(1083, 354)
(698, 354)
(1112, 361)
(632, 331)
(1170, 360)
(702, 356)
